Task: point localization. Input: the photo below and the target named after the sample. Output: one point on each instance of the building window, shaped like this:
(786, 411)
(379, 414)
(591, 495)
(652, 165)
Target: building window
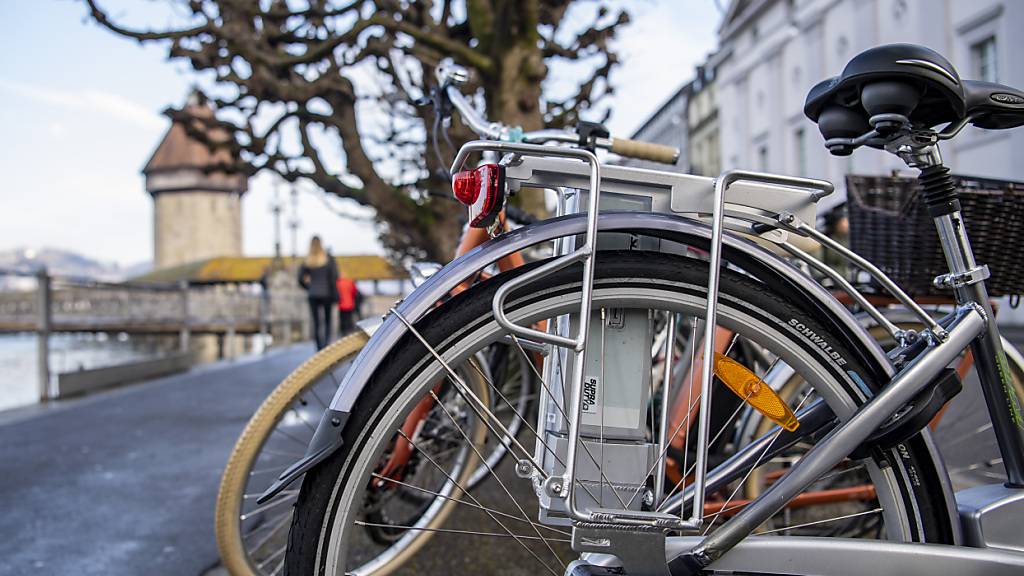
(983, 60)
(762, 158)
(801, 153)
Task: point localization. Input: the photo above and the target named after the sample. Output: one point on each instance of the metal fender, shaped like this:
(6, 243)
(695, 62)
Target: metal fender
(752, 258)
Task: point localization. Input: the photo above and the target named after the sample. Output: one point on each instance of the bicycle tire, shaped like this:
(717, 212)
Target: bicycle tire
(233, 481)
(322, 498)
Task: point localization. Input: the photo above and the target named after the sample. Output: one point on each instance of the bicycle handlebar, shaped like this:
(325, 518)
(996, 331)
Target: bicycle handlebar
(453, 78)
(645, 150)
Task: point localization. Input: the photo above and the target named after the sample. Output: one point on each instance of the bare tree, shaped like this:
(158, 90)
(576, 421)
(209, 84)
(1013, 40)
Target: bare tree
(324, 90)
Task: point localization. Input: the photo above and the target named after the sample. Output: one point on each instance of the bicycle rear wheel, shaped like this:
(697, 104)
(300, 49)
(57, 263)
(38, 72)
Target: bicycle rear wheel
(327, 532)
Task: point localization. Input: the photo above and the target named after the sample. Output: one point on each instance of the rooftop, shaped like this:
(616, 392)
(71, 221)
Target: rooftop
(243, 269)
(179, 149)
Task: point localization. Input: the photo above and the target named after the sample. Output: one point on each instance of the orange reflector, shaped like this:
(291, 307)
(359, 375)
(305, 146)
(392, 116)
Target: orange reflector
(754, 391)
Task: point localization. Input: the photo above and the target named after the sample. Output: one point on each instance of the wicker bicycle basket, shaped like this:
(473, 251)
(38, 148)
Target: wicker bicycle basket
(890, 226)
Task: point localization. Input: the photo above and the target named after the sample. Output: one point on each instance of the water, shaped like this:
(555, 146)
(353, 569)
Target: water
(19, 381)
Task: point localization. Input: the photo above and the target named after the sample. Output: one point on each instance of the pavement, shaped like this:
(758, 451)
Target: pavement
(125, 482)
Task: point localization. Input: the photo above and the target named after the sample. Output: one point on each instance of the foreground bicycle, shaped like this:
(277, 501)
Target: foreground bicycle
(591, 493)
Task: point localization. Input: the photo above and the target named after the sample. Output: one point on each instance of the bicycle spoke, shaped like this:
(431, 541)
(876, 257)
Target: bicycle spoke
(312, 390)
(860, 466)
(470, 504)
(463, 532)
(272, 504)
(752, 468)
(969, 436)
(266, 470)
(272, 557)
(475, 501)
(600, 375)
(685, 422)
(264, 526)
(299, 415)
(283, 522)
(977, 466)
(278, 569)
(686, 471)
(290, 437)
(816, 522)
(482, 411)
(255, 496)
(689, 412)
(511, 408)
(271, 452)
(506, 409)
(499, 480)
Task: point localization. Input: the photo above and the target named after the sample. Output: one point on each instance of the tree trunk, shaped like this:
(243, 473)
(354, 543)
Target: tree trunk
(514, 89)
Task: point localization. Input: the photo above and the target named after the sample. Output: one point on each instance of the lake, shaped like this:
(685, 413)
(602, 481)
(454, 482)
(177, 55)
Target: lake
(18, 377)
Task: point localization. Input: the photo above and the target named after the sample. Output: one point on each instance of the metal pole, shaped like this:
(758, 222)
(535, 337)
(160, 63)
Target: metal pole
(264, 306)
(666, 385)
(183, 335)
(43, 326)
(993, 370)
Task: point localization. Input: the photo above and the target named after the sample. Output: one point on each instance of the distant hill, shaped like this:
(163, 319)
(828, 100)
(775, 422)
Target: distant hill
(66, 263)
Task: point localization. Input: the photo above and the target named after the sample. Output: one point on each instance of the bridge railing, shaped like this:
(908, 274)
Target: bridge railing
(40, 303)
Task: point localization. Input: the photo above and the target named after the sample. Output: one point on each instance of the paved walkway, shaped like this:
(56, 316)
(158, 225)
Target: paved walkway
(125, 482)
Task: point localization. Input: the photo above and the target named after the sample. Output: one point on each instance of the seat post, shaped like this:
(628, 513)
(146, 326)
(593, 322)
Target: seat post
(967, 279)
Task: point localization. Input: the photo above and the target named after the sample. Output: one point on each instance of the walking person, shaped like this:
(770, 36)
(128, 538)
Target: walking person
(348, 303)
(318, 275)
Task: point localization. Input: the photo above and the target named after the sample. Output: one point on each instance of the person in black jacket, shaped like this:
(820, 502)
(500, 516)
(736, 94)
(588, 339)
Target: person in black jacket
(319, 275)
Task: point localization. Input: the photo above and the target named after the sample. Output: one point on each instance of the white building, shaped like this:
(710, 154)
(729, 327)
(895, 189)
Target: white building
(668, 126)
(772, 51)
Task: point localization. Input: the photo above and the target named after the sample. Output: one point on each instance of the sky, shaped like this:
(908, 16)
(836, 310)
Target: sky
(80, 113)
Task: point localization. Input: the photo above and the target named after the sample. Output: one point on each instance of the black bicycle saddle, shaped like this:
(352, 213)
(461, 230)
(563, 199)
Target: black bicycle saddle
(906, 79)
(881, 85)
(994, 106)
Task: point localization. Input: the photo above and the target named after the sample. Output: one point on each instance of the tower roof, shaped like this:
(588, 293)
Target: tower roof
(179, 150)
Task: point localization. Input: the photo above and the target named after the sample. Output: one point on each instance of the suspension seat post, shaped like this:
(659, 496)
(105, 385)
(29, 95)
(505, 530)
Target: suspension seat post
(966, 278)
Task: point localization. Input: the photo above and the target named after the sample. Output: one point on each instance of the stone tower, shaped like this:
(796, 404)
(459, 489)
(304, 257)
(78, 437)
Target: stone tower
(196, 211)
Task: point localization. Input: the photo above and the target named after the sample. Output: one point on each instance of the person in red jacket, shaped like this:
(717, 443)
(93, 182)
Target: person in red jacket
(348, 303)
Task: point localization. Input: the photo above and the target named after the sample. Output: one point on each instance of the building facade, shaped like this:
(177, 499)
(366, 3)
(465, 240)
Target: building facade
(668, 126)
(773, 51)
(702, 123)
(197, 209)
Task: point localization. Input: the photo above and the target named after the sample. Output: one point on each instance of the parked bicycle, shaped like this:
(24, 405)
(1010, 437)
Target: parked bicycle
(595, 475)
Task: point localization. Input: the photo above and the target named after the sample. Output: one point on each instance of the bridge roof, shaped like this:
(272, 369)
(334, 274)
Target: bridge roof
(242, 269)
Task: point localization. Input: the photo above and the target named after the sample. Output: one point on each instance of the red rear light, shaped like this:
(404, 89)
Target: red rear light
(483, 190)
(466, 186)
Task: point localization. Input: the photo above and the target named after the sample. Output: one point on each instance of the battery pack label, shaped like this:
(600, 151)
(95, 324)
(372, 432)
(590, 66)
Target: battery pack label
(597, 411)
